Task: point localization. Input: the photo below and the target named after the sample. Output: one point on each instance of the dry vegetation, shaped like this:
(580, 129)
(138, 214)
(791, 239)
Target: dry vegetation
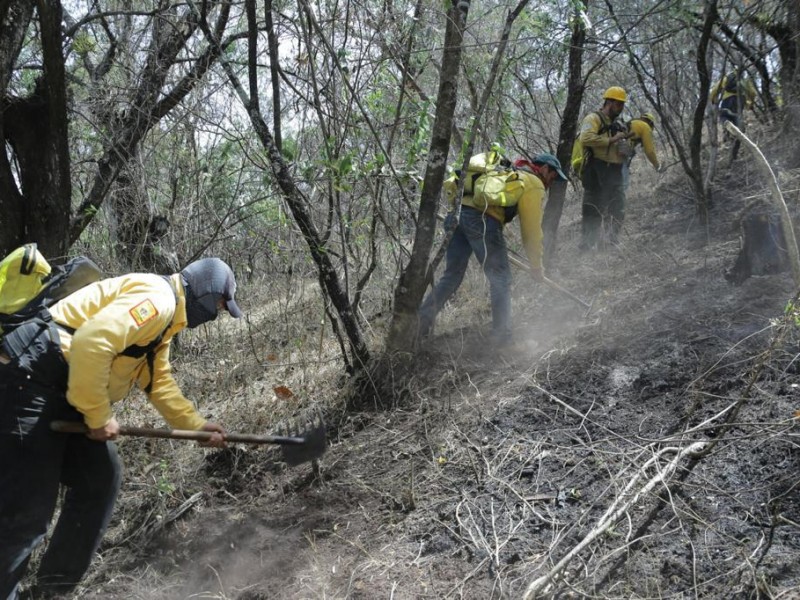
(573, 463)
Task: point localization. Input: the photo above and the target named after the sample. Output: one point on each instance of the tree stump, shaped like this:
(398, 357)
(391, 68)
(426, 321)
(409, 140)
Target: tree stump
(763, 249)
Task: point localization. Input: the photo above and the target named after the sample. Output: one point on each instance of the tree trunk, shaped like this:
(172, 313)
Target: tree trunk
(136, 231)
(566, 136)
(696, 139)
(14, 19)
(35, 174)
(328, 277)
(650, 85)
(149, 103)
(411, 287)
(36, 209)
(792, 68)
(274, 71)
(787, 37)
(763, 250)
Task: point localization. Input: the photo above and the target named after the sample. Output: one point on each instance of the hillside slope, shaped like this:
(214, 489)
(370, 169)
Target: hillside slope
(495, 467)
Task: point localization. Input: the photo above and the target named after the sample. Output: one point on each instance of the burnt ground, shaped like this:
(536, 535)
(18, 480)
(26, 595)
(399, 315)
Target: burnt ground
(496, 466)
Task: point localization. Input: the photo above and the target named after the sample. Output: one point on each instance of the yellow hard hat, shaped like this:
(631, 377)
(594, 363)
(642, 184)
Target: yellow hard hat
(650, 117)
(615, 93)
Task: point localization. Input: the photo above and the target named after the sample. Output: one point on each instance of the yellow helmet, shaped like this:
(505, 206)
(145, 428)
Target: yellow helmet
(649, 117)
(615, 93)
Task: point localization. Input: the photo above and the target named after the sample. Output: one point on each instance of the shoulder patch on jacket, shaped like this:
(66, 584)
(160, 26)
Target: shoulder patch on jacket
(143, 312)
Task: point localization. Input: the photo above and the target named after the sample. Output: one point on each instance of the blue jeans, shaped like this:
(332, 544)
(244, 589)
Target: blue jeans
(729, 111)
(481, 235)
(34, 461)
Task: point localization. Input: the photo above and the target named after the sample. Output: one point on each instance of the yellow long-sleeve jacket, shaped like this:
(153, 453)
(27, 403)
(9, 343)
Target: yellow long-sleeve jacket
(600, 143)
(745, 87)
(109, 316)
(642, 134)
(530, 209)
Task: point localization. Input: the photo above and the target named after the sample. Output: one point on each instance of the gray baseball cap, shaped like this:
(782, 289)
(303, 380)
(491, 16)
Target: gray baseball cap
(209, 280)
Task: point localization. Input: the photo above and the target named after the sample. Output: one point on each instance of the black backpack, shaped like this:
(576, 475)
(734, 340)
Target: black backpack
(62, 281)
(30, 336)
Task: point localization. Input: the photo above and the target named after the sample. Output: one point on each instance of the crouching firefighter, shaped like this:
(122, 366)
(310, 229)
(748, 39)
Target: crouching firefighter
(94, 346)
(480, 232)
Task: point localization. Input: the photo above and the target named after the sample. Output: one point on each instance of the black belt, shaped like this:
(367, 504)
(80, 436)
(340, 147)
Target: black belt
(607, 163)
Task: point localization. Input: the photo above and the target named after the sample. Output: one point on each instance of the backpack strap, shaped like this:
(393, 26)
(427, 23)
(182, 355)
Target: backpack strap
(149, 350)
(28, 259)
(588, 153)
(604, 127)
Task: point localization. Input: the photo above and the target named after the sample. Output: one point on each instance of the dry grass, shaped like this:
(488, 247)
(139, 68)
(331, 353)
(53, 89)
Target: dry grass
(490, 469)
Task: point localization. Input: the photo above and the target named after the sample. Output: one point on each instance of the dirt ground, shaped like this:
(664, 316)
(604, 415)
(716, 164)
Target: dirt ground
(581, 444)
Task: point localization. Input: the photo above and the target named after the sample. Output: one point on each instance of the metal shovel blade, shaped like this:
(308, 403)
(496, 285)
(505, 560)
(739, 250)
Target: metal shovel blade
(312, 446)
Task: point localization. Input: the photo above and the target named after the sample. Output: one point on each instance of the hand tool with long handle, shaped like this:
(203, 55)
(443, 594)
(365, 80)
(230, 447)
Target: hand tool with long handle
(559, 288)
(517, 262)
(296, 449)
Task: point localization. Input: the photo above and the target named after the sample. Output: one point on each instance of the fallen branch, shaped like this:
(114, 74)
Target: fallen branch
(621, 504)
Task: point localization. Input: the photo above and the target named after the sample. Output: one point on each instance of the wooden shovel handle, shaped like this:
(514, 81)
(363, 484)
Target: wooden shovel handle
(182, 434)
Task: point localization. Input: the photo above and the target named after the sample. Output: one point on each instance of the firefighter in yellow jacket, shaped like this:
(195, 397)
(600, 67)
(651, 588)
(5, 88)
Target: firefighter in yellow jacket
(480, 231)
(732, 94)
(605, 142)
(640, 133)
(113, 334)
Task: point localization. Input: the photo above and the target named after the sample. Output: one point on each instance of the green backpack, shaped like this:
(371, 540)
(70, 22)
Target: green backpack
(22, 275)
(490, 180)
(28, 286)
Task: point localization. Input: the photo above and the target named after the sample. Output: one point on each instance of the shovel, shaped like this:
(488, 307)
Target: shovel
(296, 449)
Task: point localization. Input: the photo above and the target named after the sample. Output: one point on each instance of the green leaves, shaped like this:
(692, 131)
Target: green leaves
(792, 311)
(83, 44)
(420, 140)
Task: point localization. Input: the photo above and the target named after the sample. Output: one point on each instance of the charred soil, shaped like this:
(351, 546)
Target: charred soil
(498, 464)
